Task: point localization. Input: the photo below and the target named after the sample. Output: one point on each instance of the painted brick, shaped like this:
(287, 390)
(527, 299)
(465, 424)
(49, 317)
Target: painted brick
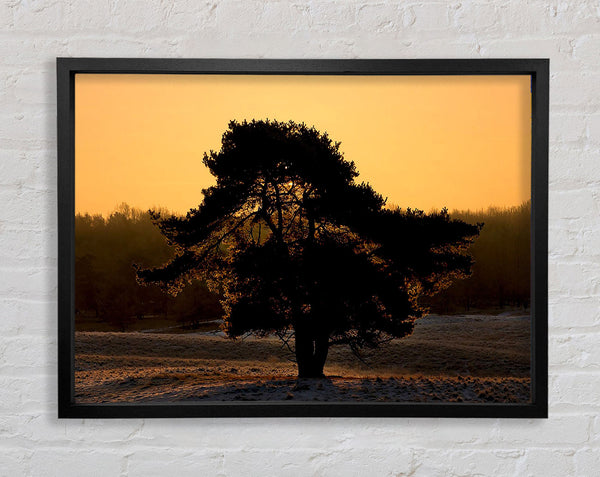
(572, 312)
(15, 462)
(576, 388)
(547, 462)
(587, 461)
(333, 16)
(74, 462)
(565, 128)
(466, 462)
(42, 15)
(573, 204)
(585, 50)
(564, 92)
(432, 16)
(379, 17)
(575, 351)
(593, 128)
(576, 165)
(34, 33)
(472, 17)
(162, 461)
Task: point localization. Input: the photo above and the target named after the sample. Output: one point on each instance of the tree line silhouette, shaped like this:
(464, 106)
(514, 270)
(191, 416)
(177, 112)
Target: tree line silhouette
(106, 287)
(107, 248)
(501, 272)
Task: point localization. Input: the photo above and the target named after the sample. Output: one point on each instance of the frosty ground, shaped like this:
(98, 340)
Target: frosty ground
(459, 358)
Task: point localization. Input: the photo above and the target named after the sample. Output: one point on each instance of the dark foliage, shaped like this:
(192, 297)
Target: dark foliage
(501, 272)
(297, 247)
(105, 279)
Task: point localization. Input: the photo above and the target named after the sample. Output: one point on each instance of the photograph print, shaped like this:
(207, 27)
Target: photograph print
(302, 238)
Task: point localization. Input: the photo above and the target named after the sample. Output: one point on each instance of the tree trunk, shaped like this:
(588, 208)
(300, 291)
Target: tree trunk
(311, 354)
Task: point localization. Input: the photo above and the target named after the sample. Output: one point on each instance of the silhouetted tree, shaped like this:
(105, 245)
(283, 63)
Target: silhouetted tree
(299, 249)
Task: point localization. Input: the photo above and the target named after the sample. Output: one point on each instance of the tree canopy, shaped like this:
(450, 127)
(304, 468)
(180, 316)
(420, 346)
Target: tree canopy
(298, 248)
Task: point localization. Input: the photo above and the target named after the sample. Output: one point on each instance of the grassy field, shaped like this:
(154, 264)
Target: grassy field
(459, 358)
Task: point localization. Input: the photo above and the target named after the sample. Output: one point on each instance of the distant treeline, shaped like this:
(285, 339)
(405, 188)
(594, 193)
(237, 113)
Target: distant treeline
(501, 273)
(106, 250)
(108, 247)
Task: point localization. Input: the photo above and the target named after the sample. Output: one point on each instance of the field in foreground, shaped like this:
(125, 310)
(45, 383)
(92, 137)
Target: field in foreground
(465, 358)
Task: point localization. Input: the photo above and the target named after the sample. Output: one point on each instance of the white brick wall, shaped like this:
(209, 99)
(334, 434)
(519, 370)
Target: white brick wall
(34, 442)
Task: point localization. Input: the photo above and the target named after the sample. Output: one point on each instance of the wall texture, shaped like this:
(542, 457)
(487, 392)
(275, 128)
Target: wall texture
(34, 442)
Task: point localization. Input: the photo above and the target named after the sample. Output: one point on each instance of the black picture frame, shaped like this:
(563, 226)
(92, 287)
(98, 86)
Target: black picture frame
(67, 68)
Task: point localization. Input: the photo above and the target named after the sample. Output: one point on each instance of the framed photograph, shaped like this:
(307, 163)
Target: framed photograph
(246, 238)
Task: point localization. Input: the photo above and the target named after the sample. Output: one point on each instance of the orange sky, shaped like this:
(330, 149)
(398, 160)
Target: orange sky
(421, 141)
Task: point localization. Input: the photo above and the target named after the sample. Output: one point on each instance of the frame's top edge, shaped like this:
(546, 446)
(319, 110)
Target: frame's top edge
(304, 66)
(128, 58)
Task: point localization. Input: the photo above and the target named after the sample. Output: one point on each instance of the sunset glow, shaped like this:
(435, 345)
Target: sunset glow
(425, 142)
